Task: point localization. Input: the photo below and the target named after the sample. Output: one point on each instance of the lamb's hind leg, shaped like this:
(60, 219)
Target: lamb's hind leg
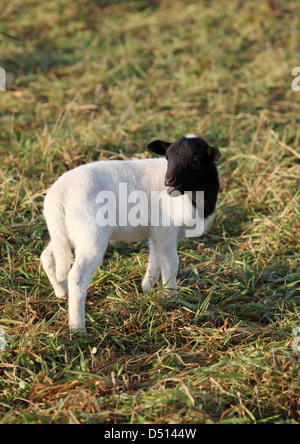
(48, 261)
(87, 259)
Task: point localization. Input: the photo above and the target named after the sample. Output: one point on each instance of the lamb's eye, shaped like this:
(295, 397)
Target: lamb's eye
(196, 163)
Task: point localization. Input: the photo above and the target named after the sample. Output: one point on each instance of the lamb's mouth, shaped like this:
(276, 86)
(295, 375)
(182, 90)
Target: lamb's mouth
(171, 189)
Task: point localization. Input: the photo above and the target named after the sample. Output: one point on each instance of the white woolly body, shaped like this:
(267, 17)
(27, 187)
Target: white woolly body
(71, 210)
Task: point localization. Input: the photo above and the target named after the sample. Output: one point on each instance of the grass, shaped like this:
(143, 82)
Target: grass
(98, 80)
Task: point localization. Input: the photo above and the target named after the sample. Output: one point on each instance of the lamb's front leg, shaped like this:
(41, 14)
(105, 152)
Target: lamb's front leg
(163, 257)
(153, 270)
(169, 263)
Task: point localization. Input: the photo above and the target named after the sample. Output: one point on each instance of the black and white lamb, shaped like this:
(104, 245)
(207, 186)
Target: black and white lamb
(116, 200)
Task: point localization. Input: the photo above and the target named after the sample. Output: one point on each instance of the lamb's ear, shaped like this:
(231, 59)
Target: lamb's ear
(158, 147)
(214, 153)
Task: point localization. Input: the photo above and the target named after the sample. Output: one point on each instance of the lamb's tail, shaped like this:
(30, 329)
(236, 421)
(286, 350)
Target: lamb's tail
(55, 217)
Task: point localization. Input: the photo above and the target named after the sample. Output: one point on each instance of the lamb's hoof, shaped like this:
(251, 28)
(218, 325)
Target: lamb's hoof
(78, 329)
(170, 293)
(148, 284)
(146, 287)
(79, 333)
(61, 295)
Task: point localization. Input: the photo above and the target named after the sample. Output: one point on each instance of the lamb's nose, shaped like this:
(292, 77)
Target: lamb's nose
(169, 181)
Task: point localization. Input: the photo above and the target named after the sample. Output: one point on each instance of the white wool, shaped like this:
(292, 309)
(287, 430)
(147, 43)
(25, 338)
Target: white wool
(71, 210)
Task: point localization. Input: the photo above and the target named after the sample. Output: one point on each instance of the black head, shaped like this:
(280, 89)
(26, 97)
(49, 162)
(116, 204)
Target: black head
(190, 163)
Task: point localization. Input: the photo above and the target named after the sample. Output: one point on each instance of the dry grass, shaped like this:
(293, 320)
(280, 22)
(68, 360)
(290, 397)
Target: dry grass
(96, 80)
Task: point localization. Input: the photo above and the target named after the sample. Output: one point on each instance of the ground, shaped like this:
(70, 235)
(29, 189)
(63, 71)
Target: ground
(89, 80)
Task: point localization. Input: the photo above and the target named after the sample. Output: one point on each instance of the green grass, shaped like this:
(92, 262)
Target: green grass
(98, 80)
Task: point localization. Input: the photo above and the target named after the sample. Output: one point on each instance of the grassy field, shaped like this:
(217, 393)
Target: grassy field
(90, 80)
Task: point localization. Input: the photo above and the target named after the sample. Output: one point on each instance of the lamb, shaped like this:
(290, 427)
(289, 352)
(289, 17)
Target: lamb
(84, 211)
